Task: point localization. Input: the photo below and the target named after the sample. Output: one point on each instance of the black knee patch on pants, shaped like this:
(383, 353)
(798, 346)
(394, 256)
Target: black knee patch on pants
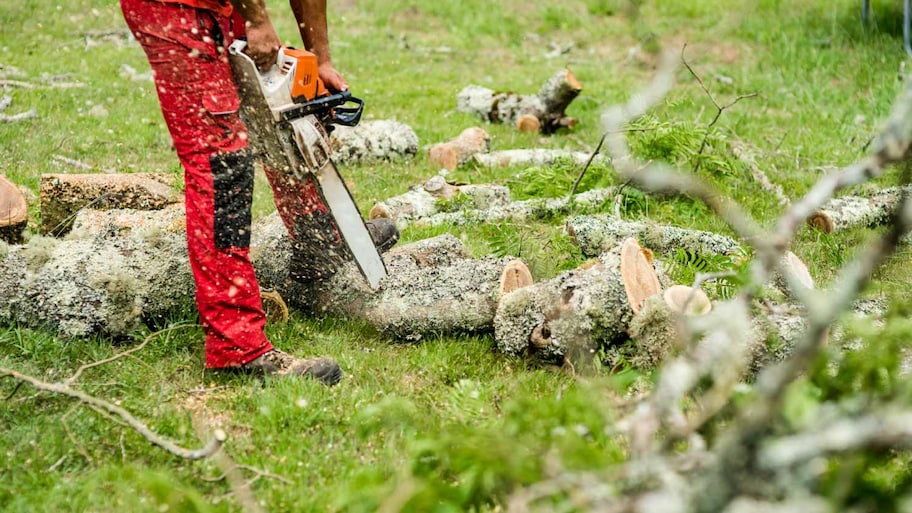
(232, 182)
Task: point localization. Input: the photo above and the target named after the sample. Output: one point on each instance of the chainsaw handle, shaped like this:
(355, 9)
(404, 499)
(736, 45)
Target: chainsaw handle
(348, 116)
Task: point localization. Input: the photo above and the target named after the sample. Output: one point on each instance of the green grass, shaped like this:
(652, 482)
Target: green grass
(446, 424)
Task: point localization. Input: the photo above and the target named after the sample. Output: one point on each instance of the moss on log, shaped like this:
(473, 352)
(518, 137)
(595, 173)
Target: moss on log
(580, 311)
(373, 141)
(596, 233)
(849, 212)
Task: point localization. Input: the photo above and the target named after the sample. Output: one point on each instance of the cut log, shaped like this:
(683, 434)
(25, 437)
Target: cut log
(538, 208)
(687, 300)
(433, 287)
(62, 195)
(849, 212)
(457, 151)
(436, 195)
(579, 311)
(537, 157)
(373, 141)
(597, 233)
(13, 212)
(546, 108)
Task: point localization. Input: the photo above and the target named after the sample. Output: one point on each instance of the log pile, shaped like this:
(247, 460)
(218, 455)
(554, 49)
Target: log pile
(542, 112)
(13, 212)
(63, 195)
(373, 141)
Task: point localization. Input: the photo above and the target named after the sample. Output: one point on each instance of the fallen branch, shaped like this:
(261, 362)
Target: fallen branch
(538, 157)
(58, 388)
(849, 212)
(543, 112)
(436, 195)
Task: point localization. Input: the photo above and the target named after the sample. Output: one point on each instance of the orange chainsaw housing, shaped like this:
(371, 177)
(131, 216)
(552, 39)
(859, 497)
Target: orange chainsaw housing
(307, 84)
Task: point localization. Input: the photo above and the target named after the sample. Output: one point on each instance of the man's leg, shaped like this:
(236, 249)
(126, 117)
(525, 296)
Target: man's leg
(199, 102)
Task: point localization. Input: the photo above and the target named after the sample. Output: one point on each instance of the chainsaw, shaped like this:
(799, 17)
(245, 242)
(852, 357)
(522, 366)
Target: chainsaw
(289, 114)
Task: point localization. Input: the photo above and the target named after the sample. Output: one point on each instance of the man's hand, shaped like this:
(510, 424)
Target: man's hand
(263, 44)
(331, 78)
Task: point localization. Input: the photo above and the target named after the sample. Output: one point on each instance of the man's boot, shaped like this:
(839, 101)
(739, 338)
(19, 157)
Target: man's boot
(279, 363)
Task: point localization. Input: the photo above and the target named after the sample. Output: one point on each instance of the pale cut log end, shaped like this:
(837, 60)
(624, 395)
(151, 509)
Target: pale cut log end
(821, 221)
(443, 156)
(639, 277)
(515, 276)
(380, 211)
(438, 187)
(798, 268)
(528, 123)
(274, 306)
(13, 212)
(687, 300)
(571, 80)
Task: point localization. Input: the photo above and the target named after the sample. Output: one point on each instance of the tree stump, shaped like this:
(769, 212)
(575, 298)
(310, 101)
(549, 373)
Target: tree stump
(13, 212)
(542, 112)
(63, 195)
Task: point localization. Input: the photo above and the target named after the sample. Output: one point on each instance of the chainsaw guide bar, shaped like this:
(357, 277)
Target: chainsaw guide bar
(290, 135)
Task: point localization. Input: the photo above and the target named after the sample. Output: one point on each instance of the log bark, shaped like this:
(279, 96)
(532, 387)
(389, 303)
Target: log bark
(849, 212)
(538, 208)
(580, 311)
(437, 195)
(373, 141)
(455, 152)
(433, 286)
(541, 157)
(596, 233)
(13, 212)
(62, 195)
(547, 107)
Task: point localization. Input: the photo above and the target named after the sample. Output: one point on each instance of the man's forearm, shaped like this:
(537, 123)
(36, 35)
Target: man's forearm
(311, 17)
(253, 11)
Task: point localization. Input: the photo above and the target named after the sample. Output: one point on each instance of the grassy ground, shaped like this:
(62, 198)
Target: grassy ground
(447, 424)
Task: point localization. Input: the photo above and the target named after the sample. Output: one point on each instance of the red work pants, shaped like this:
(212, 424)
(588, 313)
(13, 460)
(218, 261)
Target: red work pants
(199, 101)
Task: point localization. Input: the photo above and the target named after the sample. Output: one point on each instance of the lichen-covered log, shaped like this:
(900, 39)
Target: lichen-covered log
(62, 195)
(540, 157)
(437, 195)
(457, 151)
(373, 141)
(538, 208)
(106, 281)
(13, 212)
(849, 212)
(596, 233)
(544, 112)
(579, 311)
(433, 287)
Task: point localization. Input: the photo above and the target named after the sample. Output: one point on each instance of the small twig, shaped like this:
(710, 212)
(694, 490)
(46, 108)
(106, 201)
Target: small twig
(719, 108)
(16, 83)
(56, 464)
(69, 433)
(12, 118)
(257, 474)
(72, 162)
